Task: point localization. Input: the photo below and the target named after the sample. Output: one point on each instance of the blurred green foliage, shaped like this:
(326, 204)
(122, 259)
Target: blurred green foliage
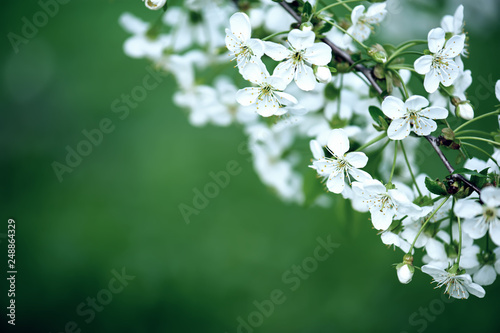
(119, 207)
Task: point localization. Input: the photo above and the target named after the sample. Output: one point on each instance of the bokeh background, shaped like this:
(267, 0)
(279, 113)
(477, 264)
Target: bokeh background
(119, 208)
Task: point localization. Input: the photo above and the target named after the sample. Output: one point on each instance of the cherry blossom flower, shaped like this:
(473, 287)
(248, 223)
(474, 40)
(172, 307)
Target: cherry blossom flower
(342, 164)
(245, 50)
(362, 22)
(412, 115)
(269, 97)
(478, 219)
(383, 204)
(454, 24)
(457, 285)
(440, 67)
(405, 273)
(302, 52)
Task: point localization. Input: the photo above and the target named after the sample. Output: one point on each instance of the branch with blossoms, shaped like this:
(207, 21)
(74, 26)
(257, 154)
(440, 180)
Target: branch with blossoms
(309, 73)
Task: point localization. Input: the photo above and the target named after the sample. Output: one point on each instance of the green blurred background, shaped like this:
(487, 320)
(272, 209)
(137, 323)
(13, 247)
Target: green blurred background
(119, 207)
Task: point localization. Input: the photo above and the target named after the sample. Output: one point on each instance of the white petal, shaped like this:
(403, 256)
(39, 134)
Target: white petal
(454, 46)
(304, 77)
(276, 51)
(434, 113)
(423, 64)
(376, 13)
(381, 219)
(416, 103)
(285, 70)
(398, 129)
(435, 249)
(257, 47)
(285, 99)
(476, 290)
(357, 12)
(247, 96)
(436, 39)
(336, 183)
(254, 73)
(240, 26)
(467, 209)
(491, 196)
(359, 175)
(485, 276)
(449, 73)
(316, 149)
(431, 81)
(318, 54)
(475, 228)
(300, 39)
(393, 107)
(338, 142)
(357, 159)
(495, 232)
(424, 126)
(267, 106)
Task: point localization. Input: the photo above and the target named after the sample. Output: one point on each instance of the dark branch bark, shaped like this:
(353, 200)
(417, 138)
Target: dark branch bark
(368, 73)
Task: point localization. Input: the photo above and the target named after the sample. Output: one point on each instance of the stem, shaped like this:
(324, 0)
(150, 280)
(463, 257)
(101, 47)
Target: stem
(478, 139)
(403, 84)
(409, 168)
(394, 161)
(398, 51)
(477, 118)
(403, 53)
(339, 2)
(471, 132)
(275, 34)
(425, 224)
(375, 140)
(481, 150)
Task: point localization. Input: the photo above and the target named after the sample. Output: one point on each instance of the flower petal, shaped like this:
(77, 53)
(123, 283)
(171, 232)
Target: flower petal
(285, 70)
(424, 126)
(485, 276)
(416, 103)
(436, 39)
(398, 129)
(276, 51)
(316, 149)
(247, 96)
(431, 81)
(336, 182)
(285, 99)
(423, 64)
(240, 26)
(454, 46)
(300, 39)
(491, 196)
(434, 113)
(318, 54)
(393, 107)
(338, 142)
(304, 77)
(357, 159)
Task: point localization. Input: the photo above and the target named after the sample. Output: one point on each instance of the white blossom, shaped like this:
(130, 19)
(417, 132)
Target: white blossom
(268, 99)
(405, 273)
(155, 4)
(478, 219)
(302, 52)
(246, 50)
(457, 285)
(362, 22)
(342, 164)
(440, 67)
(412, 115)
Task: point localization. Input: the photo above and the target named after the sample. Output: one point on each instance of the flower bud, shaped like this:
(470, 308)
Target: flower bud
(464, 110)
(377, 52)
(155, 4)
(306, 26)
(405, 272)
(323, 74)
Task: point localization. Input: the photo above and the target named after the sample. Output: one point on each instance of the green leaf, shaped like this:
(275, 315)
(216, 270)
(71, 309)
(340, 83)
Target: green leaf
(306, 12)
(470, 172)
(376, 114)
(435, 186)
(480, 181)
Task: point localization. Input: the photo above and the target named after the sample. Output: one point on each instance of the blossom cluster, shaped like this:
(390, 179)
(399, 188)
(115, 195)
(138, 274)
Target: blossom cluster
(296, 66)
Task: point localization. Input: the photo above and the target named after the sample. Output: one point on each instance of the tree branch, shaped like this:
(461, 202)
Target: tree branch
(368, 73)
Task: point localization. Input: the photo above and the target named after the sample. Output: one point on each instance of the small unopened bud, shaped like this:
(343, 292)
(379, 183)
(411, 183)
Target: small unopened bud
(306, 26)
(377, 52)
(405, 272)
(464, 110)
(323, 74)
(155, 4)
